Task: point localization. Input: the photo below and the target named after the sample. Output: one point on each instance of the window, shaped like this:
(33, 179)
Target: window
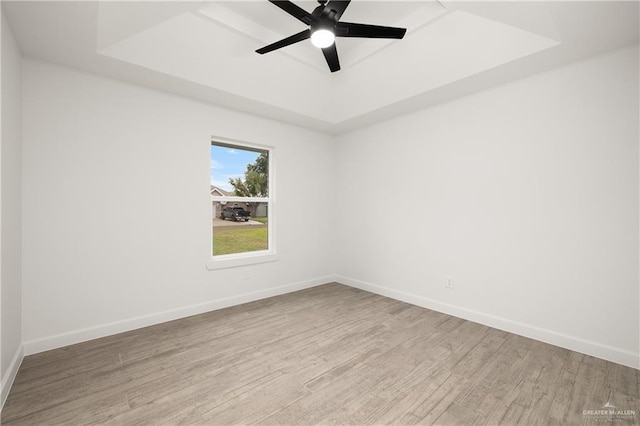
(241, 205)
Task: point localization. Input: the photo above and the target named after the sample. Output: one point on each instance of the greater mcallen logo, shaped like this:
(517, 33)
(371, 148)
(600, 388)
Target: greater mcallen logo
(610, 413)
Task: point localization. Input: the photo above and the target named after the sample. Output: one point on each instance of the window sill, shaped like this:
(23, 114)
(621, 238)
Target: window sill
(237, 260)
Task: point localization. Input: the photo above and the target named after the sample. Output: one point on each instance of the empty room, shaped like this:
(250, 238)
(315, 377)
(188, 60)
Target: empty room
(320, 212)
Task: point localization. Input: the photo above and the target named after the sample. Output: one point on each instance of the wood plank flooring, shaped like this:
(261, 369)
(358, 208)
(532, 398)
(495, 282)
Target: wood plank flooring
(327, 355)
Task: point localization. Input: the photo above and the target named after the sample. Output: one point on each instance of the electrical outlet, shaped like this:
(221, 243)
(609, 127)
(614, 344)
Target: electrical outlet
(448, 282)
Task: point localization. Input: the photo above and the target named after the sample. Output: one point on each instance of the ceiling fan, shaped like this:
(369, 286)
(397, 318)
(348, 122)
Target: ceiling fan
(325, 25)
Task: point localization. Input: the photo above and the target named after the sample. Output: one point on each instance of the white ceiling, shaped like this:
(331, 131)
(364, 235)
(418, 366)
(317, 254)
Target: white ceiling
(205, 50)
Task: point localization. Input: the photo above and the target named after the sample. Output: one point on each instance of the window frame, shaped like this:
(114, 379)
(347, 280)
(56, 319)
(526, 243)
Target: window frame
(234, 260)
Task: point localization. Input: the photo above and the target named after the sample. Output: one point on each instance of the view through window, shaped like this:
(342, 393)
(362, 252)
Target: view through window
(239, 199)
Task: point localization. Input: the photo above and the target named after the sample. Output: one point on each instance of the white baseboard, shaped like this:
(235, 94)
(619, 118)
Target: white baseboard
(83, 335)
(595, 349)
(10, 376)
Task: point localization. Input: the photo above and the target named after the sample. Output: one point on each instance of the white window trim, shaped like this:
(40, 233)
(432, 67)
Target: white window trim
(251, 257)
(226, 261)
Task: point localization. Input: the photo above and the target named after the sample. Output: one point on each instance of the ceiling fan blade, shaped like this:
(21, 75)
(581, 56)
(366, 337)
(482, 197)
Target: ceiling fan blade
(349, 29)
(331, 55)
(302, 35)
(338, 6)
(294, 10)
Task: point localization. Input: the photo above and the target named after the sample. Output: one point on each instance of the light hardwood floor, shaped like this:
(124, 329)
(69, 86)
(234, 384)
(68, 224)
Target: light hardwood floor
(326, 355)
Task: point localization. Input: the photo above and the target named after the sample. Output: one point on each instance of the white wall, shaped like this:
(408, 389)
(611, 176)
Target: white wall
(116, 207)
(526, 194)
(10, 201)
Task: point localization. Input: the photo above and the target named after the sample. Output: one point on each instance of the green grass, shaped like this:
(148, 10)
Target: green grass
(262, 219)
(228, 240)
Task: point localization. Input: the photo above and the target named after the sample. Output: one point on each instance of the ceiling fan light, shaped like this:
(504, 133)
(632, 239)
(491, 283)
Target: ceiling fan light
(322, 38)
